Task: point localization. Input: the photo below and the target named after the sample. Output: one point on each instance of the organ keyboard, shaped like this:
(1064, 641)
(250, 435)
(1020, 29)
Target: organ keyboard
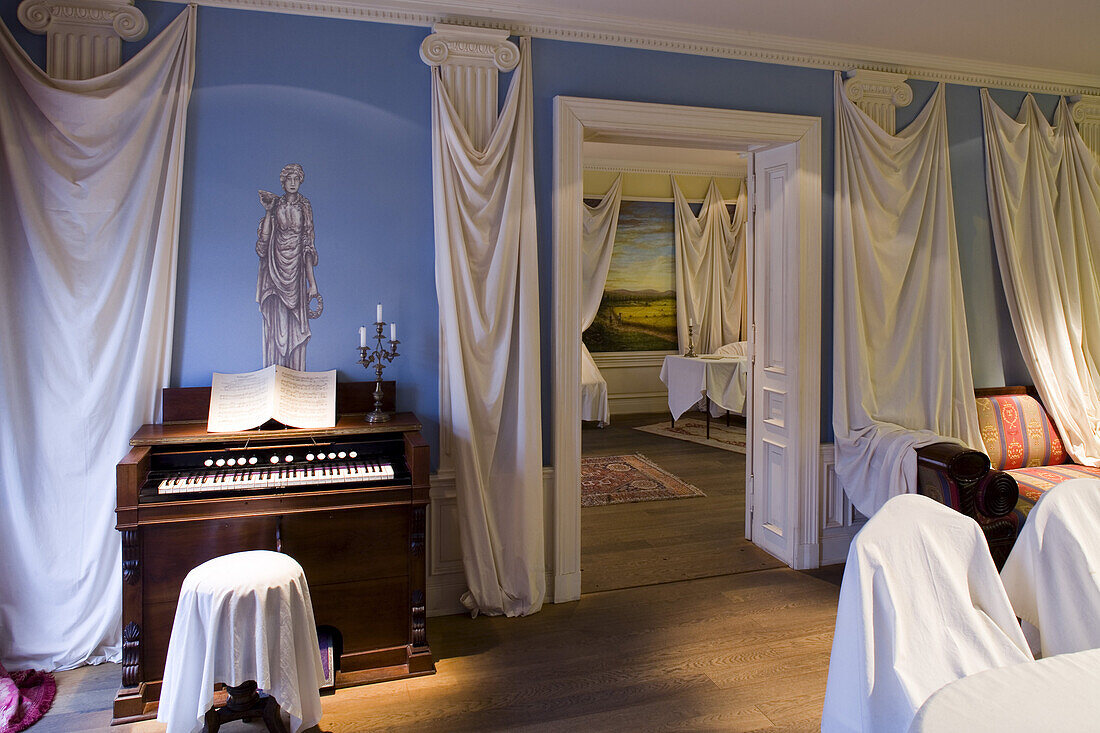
(347, 502)
(268, 468)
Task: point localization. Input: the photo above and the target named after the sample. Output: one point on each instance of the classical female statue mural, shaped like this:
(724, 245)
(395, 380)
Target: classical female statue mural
(285, 287)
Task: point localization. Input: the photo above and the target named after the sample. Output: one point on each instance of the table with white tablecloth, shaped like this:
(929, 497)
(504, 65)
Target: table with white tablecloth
(1052, 694)
(719, 382)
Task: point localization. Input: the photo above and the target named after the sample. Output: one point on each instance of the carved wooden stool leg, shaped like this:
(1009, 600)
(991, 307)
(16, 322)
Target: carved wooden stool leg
(245, 703)
(211, 724)
(272, 716)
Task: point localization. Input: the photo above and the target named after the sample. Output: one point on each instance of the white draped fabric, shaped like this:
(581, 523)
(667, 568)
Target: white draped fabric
(600, 224)
(920, 606)
(90, 175)
(244, 616)
(1044, 203)
(737, 285)
(1051, 577)
(486, 281)
(707, 291)
(901, 360)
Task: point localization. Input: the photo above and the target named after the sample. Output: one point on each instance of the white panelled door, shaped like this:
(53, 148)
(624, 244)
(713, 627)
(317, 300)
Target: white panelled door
(773, 489)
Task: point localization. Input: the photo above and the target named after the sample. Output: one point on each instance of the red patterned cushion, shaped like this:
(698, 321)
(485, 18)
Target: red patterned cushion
(1034, 481)
(1017, 433)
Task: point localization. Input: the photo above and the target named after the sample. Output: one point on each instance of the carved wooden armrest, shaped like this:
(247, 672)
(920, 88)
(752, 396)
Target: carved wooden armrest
(961, 478)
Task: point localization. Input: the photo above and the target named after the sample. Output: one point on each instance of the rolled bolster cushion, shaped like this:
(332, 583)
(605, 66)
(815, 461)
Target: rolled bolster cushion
(961, 464)
(997, 494)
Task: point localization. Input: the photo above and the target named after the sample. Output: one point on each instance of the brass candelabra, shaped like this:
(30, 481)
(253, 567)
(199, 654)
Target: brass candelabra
(690, 353)
(378, 356)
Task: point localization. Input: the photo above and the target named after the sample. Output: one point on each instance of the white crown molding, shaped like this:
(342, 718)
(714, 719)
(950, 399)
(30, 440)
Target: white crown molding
(83, 37)
(879, 94)
(684, 38)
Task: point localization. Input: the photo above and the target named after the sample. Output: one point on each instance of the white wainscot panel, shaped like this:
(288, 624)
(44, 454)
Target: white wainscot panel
(840, 520)
(633, 381)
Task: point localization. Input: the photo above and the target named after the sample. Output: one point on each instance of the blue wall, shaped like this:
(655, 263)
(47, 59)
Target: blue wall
(349, 100)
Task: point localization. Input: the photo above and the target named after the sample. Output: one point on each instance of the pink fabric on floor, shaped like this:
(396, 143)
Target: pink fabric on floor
(25, 696)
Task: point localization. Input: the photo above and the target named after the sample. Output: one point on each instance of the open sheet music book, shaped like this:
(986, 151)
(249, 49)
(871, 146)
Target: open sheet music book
(297, 399)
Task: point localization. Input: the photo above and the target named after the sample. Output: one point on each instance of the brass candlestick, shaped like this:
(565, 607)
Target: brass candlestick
(690, 353)
(377, 356)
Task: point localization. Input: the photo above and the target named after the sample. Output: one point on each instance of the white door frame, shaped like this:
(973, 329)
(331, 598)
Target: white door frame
(577, 119)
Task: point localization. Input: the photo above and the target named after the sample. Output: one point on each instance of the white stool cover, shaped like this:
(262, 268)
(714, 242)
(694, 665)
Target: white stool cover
(245, 616)
(920, 606)
(1051, 574)
(593, 391)
(1052, 694)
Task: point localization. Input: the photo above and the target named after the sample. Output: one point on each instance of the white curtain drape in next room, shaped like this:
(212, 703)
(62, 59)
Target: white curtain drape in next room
(487, 284)
(90, 176)
(901, 361)
(705, 290)
(1044, 202)
(737, 286)
(600, 224)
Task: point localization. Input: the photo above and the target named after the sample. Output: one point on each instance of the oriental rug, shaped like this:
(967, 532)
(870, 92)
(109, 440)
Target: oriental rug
(627, 479)
(695, 430)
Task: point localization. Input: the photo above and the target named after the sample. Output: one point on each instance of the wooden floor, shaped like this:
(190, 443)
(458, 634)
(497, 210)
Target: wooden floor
(683, 625)
(628, 545)
(746, 652)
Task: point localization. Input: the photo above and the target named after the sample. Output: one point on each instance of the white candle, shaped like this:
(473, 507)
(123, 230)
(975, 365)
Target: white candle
(379, 318)
(393, 332)
(363, 336)
(691, 323)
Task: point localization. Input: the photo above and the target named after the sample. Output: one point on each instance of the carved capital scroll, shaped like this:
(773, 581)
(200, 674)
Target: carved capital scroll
(131, 654)
(131, 557)
(1085, 111)
(83, 37)
(879, 94)
(469, 59)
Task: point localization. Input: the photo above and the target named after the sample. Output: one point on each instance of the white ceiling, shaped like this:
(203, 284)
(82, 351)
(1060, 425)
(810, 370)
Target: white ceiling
(1035, 45)
(1061, 35)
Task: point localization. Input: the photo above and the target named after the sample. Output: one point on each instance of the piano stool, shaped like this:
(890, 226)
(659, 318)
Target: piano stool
(244, 619)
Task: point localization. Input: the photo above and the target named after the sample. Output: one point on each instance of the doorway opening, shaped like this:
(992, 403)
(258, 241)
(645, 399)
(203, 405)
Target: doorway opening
(782, 504)
(663, 499)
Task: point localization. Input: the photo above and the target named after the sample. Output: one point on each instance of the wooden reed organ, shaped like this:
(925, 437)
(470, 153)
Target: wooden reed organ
(348, 503)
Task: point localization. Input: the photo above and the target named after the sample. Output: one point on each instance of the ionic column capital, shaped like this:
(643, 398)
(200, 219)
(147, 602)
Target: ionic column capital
(83, 37)
(879, 94)
(1085, 111)
(461, 45)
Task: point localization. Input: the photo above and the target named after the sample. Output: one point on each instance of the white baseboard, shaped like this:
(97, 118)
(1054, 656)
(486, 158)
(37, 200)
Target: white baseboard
(445, 582)
(631, 404)
(835, 542)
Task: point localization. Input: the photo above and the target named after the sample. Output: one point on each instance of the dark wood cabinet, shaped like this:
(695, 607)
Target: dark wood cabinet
(361, 545)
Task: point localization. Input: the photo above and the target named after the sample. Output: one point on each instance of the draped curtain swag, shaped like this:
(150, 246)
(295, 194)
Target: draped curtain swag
(901, 360)
(90, 175)
(1044, 203)
(706, 254)
(486, 281)
(600, 224)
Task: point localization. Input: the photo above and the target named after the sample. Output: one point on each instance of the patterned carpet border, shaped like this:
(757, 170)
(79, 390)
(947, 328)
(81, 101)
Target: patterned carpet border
(730, 439)
(628, 479)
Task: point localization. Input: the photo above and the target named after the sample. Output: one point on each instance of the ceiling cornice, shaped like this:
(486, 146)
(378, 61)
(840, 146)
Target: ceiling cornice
(683, 38)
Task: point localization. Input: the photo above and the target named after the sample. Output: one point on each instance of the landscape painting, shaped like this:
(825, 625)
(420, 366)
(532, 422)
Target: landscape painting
(638, 309)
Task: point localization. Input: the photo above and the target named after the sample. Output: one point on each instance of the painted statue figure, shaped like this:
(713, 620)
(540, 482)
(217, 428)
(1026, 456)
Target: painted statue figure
(285, 287)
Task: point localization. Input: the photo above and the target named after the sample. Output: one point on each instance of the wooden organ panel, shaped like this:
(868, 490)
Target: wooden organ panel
(359, 536)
